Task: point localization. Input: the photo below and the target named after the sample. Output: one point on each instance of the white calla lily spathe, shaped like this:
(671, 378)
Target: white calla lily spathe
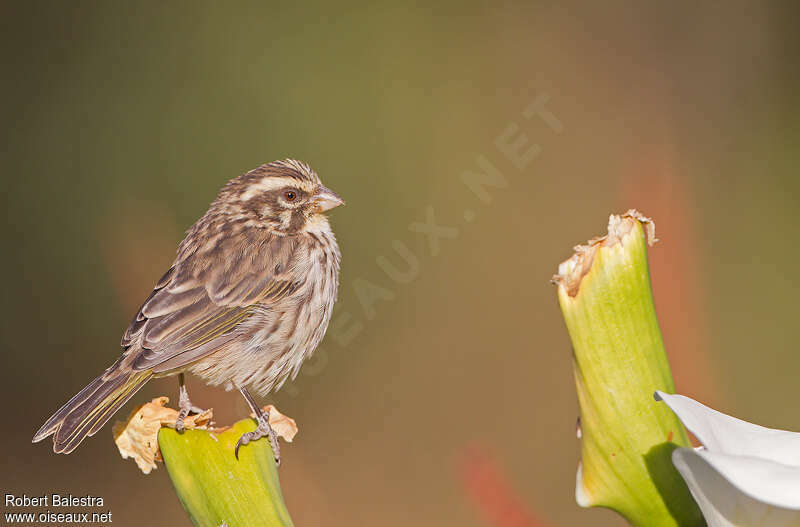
(744, 474)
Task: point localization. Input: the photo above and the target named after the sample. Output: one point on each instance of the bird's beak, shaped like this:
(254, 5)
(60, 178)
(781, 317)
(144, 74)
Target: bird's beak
(326, 199)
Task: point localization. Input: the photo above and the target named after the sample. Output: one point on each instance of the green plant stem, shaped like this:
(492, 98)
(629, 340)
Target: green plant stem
(619, 362)
(214, 487)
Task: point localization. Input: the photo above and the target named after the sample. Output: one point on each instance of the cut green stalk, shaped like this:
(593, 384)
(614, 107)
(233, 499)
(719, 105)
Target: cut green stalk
(214, 487)
(619, 362)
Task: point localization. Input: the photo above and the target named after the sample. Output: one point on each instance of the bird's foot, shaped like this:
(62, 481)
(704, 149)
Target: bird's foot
(186, 407)
(262, 430)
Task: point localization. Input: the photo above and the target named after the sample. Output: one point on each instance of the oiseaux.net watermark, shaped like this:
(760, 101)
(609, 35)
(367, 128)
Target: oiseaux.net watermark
(55, 509)
(513, 146)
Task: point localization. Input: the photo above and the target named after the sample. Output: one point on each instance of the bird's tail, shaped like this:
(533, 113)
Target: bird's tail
(91, 408)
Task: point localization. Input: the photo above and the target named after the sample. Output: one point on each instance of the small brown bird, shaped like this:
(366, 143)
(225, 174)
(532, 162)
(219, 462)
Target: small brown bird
(246, 301)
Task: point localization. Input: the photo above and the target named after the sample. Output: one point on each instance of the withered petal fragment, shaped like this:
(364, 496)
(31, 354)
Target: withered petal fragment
(572, 270)
(137, 437)
(284, 426)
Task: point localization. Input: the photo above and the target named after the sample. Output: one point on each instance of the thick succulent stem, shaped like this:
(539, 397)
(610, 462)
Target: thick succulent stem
(619, 362)
(217, 489)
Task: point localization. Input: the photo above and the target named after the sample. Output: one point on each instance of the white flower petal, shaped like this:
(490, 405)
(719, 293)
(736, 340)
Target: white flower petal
(722, 433)
(741, 491)
(581, 497)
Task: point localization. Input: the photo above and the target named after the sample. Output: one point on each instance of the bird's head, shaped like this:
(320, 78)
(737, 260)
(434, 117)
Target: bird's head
(287, 196)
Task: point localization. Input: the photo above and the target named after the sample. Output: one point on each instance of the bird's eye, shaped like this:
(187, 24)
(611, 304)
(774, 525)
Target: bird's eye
(290, 195)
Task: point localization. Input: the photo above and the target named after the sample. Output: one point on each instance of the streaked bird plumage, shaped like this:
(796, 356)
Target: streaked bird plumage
(246, 301)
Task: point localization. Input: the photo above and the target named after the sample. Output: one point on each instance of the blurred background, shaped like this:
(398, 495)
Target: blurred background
(443, 393)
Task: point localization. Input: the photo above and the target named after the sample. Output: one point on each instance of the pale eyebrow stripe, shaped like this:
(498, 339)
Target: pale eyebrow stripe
(266, 184)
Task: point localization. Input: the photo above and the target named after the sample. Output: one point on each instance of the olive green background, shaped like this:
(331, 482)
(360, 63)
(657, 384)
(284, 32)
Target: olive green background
(122, 120)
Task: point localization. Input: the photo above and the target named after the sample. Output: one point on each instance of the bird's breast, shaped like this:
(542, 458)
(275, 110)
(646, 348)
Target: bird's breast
(279, 337)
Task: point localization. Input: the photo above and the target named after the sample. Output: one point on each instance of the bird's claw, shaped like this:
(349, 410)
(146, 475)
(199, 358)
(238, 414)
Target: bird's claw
(262, 430)
(186, 407)
(179, 422)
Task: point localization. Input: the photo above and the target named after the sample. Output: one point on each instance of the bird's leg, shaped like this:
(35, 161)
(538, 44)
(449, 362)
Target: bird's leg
(184, 404)
(262, 430)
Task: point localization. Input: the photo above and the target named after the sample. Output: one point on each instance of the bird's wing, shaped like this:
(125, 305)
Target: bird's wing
(197, 305)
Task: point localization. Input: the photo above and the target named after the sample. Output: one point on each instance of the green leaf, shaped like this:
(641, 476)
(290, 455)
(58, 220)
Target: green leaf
(619, 362)
(214, 487)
